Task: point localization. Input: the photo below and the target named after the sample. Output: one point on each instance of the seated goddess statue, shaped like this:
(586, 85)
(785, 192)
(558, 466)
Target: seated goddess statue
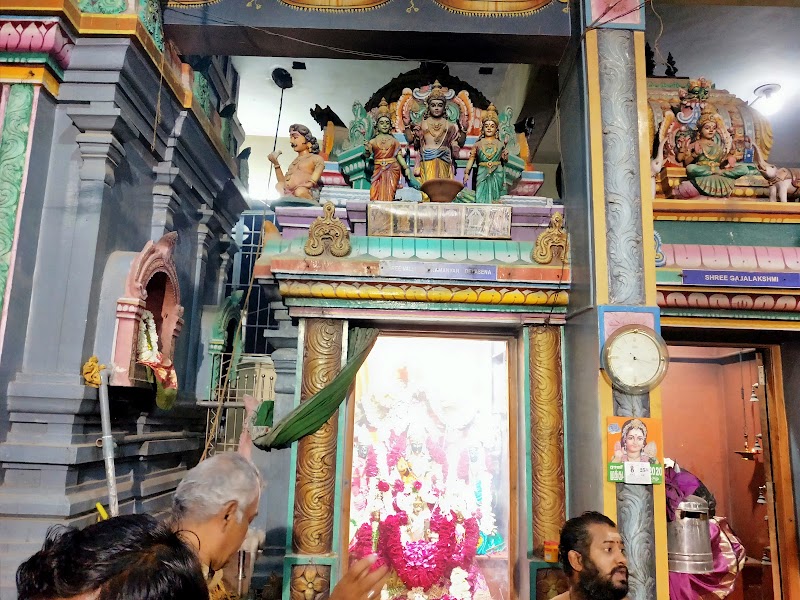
(709, 159)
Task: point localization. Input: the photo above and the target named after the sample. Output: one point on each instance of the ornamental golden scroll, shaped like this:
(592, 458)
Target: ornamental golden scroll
(547, 436)
(312, 532)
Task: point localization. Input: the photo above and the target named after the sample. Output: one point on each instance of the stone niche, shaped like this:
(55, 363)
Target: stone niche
(151, 284)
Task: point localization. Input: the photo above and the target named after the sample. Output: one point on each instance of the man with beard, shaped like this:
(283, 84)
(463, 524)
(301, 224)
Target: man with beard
(593, 556)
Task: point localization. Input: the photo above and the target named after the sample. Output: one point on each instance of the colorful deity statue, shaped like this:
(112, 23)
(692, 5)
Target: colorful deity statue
(709, 158)
(388, 161)
(302, 179)
(436, 138)
(490, 154)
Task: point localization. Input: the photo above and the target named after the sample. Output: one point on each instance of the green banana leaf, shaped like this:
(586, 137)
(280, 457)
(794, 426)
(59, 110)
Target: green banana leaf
(310, 415)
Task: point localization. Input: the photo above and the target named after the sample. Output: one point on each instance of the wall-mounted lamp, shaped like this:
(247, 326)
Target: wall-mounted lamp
(771, 100)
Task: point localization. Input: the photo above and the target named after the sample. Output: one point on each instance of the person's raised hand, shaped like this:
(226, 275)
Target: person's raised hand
(361, 582)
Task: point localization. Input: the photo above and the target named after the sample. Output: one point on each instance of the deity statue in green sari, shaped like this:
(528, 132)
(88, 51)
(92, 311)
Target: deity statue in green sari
(709, 159)
(491, 155)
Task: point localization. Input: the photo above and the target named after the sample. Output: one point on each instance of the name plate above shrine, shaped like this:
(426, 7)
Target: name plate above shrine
(434, 220)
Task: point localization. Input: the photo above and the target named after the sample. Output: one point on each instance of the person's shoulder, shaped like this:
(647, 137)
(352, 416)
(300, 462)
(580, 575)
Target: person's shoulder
(564, 596)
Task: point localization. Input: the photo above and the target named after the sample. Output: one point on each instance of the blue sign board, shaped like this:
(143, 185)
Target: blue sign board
(757, 279)
(436, 270)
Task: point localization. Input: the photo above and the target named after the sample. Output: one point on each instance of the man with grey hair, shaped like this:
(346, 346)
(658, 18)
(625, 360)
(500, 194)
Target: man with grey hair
(212, 509)
(215, 504)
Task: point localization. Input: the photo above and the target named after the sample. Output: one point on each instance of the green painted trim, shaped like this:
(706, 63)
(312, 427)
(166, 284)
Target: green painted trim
(311, 559)
(151, 18)
(501, 252)
(341, 440)
(753, 315)
(103, 7)
(526, 416)
(298, 378)
(428, 306)
(669, 276)
(726, 233)
(43, 58)
(13, 156)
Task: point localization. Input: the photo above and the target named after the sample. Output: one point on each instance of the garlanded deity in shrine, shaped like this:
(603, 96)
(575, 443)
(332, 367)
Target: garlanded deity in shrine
(709, 158)
(387, 160)
(302, 179)
(491, 155)
(436, 138)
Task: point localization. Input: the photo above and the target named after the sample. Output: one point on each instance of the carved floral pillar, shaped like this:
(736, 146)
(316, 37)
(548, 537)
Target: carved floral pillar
(315, 481)
(17, 115)
(547, 436)
(624, 198)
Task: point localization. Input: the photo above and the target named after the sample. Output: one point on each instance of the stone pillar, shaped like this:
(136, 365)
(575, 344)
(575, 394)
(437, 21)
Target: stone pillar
(626, 197)
(547, 436)
(204, 240)
(315, 481)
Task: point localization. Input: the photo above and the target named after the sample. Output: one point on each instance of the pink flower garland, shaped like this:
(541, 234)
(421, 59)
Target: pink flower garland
(421, 563)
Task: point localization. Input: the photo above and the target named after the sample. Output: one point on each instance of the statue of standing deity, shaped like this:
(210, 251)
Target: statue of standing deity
(436, 139)
(491, 154)
(302, 179)
(388, 162)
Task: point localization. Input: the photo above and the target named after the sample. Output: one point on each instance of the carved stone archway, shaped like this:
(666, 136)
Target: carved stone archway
(154, 270)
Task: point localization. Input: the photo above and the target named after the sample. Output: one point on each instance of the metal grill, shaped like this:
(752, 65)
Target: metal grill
(255, 376)
(259, 319)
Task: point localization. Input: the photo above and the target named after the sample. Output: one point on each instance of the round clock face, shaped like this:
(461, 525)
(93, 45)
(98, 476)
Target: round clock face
(635, 359)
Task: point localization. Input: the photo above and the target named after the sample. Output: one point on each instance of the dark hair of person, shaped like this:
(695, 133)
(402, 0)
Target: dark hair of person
(576, 536)
(306, 133)
(132, 557)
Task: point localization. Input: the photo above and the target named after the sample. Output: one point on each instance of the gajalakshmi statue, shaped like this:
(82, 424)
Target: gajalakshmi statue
(388, 161)
(708, 156)
(491, 154)
(302, 179)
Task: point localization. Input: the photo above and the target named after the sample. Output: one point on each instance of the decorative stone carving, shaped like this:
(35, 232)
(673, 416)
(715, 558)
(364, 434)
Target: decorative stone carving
(552, 239)
(103, 7)
(154, 261)
(625, 256)
(328, 235)
(310, 582)
(44, 35)
(19, 108)
(547, 436)
(315, 481)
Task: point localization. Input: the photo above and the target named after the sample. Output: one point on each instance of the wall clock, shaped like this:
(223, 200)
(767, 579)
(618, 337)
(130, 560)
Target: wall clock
(635, 359)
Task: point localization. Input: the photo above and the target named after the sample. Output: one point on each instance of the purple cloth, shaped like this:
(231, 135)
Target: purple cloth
(728, 552)
(678, 486)
(729, 557)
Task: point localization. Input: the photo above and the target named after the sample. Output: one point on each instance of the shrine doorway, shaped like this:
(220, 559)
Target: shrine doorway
(725, 422)
(432, 460)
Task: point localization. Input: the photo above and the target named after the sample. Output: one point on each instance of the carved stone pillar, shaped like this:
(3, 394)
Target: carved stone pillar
(315, 482)
(626, 281)
(204, 239)
(547, 436)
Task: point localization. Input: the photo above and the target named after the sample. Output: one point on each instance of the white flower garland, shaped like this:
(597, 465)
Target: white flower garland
(147, 346)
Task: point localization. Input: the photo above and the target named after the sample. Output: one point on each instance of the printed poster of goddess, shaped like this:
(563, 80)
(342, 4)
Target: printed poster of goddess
(430, 467)
(636, 449)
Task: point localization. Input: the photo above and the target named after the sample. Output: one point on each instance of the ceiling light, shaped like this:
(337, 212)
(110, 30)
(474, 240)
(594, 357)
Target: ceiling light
(770, 99)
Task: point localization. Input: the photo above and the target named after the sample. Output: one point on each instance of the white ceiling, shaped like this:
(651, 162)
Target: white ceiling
(332, 82)
(738, 48)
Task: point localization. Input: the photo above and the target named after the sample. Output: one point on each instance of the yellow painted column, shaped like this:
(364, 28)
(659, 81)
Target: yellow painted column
(624, 271)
